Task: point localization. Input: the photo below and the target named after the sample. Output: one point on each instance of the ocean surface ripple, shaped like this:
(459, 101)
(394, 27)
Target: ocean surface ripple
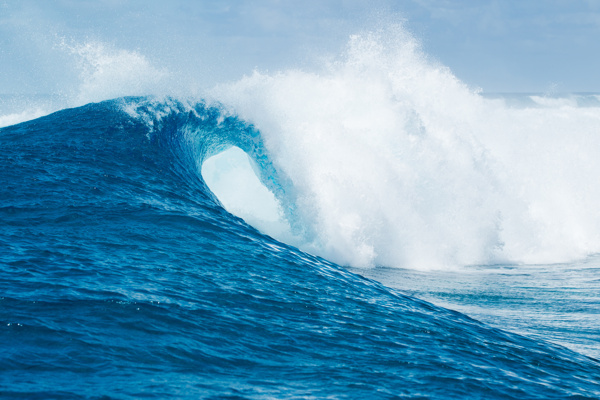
(123, 277)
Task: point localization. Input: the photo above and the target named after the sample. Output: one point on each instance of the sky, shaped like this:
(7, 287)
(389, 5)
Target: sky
(494, 45)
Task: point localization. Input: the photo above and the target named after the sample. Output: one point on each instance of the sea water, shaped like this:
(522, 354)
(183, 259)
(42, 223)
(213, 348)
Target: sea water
(374, 229)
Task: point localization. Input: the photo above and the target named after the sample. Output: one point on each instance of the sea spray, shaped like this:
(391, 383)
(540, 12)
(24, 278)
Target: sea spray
(394, 161)
(106, 72)
(100, 72)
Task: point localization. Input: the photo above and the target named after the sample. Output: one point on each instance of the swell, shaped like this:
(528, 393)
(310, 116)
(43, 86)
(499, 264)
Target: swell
(401, 182)
(382, 156)
(120, 270)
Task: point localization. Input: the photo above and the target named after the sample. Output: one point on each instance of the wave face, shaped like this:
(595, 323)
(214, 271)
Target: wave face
(122, 276)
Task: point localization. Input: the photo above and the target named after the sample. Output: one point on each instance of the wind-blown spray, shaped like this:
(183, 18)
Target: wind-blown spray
(393, 161)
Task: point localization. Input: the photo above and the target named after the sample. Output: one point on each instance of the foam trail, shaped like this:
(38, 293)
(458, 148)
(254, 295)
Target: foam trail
(396, 162)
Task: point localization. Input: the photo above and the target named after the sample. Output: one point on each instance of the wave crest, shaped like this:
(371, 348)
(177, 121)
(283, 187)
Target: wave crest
(393, 161)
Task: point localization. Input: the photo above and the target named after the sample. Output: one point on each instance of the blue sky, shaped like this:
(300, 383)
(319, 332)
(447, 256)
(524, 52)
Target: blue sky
(512, 45)
(499, 46)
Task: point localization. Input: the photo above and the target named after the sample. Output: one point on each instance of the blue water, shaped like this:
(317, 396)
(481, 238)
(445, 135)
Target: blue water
(122, 277)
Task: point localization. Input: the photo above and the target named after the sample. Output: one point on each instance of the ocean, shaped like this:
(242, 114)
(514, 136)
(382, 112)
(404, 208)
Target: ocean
(374, 230)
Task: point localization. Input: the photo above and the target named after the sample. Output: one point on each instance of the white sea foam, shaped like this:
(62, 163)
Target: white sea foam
(553, 102)
(393, 161)
(15, 118)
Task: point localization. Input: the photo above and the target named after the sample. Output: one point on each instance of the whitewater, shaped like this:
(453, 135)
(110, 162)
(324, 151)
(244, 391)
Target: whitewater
(372, 228)
(395, 162)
